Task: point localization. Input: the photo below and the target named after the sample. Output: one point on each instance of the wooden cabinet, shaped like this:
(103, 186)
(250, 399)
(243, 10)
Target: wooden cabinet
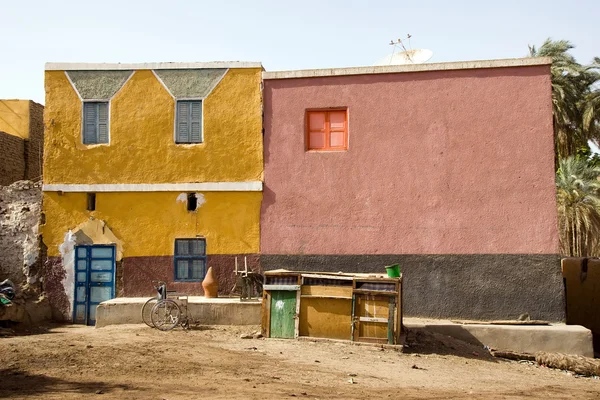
(357, 307)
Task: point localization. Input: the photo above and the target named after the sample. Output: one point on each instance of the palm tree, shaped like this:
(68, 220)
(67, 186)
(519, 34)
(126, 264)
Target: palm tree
(575, 103)
(578, 198)
(591, 105)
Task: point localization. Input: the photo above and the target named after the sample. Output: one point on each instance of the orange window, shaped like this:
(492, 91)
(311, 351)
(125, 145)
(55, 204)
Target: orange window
(327, 130)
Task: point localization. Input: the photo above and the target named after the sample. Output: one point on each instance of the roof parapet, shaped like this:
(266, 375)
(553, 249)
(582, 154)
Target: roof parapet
(51, 66)
(391, 69)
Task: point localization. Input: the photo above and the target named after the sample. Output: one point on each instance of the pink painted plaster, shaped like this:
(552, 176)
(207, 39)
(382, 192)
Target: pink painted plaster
(443, 162)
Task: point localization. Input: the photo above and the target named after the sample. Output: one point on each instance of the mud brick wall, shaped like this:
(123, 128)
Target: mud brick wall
(34, 147)
(12, 161)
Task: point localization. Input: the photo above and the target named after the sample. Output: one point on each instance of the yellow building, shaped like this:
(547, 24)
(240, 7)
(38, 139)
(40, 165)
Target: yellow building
(151, 172)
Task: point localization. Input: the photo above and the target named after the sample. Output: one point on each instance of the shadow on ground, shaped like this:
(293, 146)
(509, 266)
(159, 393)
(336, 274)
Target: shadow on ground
(19, 384)
(194, 327)
(421, 341)
(10, 328)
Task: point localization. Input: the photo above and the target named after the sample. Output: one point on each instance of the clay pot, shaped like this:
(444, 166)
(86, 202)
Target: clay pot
(210, 284)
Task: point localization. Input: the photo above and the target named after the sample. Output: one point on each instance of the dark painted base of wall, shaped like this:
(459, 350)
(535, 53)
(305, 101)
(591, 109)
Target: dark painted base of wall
(134, 277)
(138, 272)
(54, 273)
(474, 286)
(480, 286)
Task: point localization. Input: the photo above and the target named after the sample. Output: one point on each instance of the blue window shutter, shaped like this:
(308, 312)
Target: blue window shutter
(95, 122)
(189, 122)
(102, 122)
(196, 122)
(183, 127)
(190, 259)
(90, 116)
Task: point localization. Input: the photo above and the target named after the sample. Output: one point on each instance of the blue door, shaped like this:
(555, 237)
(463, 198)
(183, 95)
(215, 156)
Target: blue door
(94, 281)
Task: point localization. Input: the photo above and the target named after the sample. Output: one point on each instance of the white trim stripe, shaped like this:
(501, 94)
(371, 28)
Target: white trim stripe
(123, 85)
(252, 186)
(390, 69)
(51, 66)
(73, 85)
(216, 83)
(162, 83)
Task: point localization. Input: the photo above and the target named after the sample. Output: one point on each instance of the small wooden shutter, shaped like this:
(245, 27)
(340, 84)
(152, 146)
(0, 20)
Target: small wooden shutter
(189, 122)
(90, 116)
(196, 122)
(102, 122)
(183, 129)
(317, 130)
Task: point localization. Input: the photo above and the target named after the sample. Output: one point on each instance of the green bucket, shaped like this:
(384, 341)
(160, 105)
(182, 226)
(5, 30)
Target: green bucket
(393, 271)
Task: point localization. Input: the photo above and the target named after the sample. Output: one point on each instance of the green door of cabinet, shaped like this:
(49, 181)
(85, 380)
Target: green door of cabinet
(283, 312)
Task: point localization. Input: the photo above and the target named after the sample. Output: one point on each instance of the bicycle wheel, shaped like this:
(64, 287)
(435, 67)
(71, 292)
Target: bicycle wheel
(147, 310)
(165, 315)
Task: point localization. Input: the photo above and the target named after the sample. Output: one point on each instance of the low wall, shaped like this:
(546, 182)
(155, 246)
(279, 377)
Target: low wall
(203, 311)
(472, 286)
(567, 339)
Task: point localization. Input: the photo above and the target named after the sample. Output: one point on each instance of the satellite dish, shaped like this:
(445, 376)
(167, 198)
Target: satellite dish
(417, 56)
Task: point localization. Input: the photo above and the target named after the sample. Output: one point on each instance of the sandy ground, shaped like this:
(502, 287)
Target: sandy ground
(136, 362)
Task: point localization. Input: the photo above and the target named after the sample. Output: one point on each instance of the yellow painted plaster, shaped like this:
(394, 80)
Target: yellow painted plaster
(62, 120)
(97, 231)
(14, 117)
(148, 223)
(142, 147)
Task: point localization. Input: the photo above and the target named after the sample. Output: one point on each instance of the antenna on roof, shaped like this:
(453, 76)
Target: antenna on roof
(406, 56)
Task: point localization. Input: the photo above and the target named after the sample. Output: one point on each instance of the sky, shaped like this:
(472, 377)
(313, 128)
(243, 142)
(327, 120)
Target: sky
(281, 34)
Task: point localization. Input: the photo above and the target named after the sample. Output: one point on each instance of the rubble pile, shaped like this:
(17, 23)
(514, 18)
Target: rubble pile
(20, 256)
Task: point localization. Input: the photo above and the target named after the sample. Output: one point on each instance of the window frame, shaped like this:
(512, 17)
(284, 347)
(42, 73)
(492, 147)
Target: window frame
(328, 147)
(91, 201)
(83, 122)
(189, 257)
(176, 123)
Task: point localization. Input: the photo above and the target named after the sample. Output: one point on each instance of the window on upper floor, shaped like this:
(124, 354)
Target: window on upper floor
(327, 130)
(188, 124)
(95, 122)
(190, 259)
(91, 201)
(192, 202)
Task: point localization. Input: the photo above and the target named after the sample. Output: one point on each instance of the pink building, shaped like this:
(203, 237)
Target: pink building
(446, 169)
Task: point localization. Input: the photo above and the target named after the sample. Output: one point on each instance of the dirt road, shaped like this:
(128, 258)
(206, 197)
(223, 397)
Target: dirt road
(136, 362)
